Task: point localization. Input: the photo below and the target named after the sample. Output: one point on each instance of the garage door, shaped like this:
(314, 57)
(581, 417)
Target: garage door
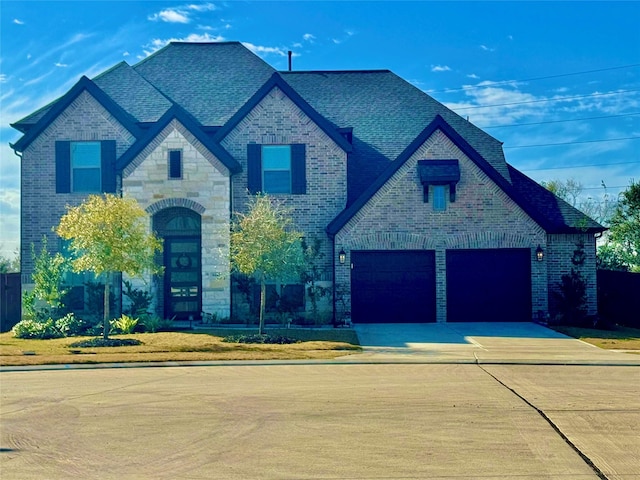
(489, 285)
(393, 286)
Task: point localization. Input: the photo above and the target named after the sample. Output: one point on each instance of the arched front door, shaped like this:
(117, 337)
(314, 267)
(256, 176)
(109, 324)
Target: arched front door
(182, 289)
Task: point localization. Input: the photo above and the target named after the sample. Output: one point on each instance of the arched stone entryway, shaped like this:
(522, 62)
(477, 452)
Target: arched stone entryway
(181, 284)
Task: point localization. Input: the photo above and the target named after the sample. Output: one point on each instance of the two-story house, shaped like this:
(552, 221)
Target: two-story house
(420, 217)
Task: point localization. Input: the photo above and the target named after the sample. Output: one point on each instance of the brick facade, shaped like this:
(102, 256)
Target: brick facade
(482, 216)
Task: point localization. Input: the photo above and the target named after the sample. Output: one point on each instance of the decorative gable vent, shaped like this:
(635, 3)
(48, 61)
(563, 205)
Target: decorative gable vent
(439, 172)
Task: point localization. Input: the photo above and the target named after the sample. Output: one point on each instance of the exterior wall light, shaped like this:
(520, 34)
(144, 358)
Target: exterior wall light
(342, 256)
(539, 254)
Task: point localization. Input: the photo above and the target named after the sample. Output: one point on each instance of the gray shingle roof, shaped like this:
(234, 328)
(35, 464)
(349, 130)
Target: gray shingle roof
(209, 80)
(133, 93)
(386, 113)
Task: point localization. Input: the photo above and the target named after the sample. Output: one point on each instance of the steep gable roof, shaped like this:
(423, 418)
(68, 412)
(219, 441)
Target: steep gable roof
(546, 210)
(277, 81)
(191, 124)
(386, 113)
(133, 93)
(209, 80)
(63, 102)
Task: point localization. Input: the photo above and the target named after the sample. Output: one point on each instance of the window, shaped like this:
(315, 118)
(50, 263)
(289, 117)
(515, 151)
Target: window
(175, 164)
(439, 198)
(276, 169)
(85, 167)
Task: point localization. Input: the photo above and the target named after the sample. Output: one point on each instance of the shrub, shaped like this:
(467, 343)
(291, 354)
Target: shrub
(31, 328)
(125, 324)
(139, 299)
(153, 323)
(257, 338)
(571, 292)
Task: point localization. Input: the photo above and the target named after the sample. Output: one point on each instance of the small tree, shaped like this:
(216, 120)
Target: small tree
(312, 274)
(48, 272)
(265, 245)
(109, 235)
(572, 290)
(625, 227)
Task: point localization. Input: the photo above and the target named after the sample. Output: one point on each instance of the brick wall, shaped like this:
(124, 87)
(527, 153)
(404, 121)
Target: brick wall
(482, 216)
(559, 252)
(205, 188)
(277, 120)
(84, 120)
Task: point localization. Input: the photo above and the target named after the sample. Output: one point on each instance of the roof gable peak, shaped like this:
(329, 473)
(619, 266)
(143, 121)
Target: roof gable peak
(276, 80)
(84, 84)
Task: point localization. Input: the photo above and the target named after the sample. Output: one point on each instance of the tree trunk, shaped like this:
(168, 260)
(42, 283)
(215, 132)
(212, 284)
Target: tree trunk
(263, 294)
(105, 320)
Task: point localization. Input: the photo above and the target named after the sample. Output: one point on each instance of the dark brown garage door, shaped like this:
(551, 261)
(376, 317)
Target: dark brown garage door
(489, 285)
(393, 286)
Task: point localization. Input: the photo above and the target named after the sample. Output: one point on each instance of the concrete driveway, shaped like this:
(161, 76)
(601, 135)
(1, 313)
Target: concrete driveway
(527, 343)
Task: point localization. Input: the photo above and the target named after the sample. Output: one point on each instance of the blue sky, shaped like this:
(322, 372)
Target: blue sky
(558, 83)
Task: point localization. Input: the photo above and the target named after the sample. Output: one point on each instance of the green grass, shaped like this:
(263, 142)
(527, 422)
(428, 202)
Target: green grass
(178, 346)
(621, 338)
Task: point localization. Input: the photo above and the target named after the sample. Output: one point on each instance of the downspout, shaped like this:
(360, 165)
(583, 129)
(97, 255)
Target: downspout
(333, 284)
(19, 155)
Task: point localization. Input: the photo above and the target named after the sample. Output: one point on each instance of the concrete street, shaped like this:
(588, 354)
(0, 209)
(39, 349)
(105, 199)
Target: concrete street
(401, 412)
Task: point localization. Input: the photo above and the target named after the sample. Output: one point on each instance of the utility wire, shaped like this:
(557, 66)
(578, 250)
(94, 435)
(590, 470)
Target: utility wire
(557, 99)
(579, 166)
(572, 143)
(508, 82)
(560, 121)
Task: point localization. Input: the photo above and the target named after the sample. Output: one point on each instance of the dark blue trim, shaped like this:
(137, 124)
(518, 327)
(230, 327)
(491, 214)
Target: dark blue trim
(63, 102)
(276, 80)
(440, 124)
(191, 124)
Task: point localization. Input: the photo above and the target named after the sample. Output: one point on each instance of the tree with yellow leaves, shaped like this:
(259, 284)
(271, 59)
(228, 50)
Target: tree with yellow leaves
(109, 234)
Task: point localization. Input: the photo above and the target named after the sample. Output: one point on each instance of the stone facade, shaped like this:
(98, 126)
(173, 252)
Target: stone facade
(482, 216)
(203, 188)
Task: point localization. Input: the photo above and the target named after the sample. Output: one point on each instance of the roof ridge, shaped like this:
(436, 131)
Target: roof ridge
(382, 70)
(110, 69)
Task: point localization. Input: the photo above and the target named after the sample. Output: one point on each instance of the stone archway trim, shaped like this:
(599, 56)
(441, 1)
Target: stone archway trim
(175, 202)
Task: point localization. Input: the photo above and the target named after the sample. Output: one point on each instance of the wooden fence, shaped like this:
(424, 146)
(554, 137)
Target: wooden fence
(10, 300)
(619, 297)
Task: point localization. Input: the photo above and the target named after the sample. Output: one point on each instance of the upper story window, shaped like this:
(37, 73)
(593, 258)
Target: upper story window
(439, 198)
(175, 164)
(86, 167)
(276, 169)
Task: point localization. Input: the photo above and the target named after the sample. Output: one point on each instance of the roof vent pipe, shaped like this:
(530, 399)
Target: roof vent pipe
(290, 53)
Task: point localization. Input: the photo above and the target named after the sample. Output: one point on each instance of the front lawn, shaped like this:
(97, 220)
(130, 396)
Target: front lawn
(178, 346)
(622, 338)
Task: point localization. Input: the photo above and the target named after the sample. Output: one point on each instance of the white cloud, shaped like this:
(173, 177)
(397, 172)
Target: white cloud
(440, 68)
(125, 54)
(487, 49)
(170, 16)
(202, 7)
(473, 76)
(18, 21)
(3, 78)
(60, 65)
(207, 28)
(258, 49)
(309, 37)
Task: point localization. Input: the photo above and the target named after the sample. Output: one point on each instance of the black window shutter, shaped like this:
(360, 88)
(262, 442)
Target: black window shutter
(254, 168)
(63, 167)
(298, 169)
(108, 165)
